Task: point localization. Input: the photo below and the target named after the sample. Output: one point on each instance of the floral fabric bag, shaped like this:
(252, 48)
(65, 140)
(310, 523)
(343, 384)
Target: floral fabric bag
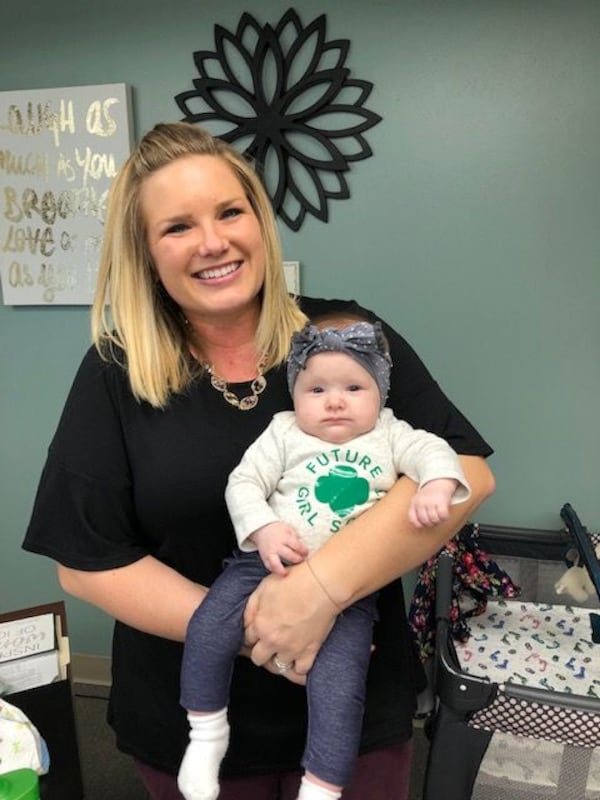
(476, 577)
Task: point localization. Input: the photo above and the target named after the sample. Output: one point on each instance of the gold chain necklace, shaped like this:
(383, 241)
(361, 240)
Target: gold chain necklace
(242, 403)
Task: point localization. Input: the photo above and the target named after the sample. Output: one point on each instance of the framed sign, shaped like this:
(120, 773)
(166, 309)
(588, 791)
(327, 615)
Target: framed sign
(59, 151)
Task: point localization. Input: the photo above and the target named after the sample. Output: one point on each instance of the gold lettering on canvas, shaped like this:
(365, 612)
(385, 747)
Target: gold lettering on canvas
(58, 157)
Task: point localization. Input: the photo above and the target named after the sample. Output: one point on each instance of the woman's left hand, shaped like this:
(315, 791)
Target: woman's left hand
(277, 667)
(288, 618)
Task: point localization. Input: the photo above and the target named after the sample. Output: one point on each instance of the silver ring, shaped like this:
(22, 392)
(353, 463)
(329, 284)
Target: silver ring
(282, 668)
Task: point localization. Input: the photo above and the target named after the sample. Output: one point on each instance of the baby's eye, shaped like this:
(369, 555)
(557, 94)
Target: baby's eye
(354, 387)
(317, 389)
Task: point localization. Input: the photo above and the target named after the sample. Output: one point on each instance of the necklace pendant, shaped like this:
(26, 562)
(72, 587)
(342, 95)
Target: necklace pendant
(231, 398)
(246, 403)
(257, 386)
(218, 383)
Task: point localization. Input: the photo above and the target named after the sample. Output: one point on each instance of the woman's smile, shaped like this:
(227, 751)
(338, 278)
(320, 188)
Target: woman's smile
(217, 272)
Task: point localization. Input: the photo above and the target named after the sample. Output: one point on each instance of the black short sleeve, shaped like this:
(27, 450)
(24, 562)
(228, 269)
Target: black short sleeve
(83, 514)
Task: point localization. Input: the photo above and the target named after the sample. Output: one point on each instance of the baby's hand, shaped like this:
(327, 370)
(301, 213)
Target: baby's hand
(278, 542)
(431, 503)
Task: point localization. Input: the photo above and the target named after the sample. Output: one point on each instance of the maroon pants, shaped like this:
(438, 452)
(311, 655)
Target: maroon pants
(380, 775)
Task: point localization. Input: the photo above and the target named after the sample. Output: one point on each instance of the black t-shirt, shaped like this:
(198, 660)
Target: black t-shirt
(123, 480)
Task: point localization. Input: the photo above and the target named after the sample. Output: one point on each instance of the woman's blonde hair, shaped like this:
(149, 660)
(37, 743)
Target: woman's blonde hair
(133, 318)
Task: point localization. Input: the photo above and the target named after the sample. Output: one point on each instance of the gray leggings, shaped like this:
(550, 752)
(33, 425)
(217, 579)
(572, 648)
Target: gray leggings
(335, 686)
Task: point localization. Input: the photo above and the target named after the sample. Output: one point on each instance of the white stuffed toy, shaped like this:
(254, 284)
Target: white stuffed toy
(576, 582)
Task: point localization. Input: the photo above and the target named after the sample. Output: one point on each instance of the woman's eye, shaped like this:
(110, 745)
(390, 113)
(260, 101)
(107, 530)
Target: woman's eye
(231, 212)
(177, 227)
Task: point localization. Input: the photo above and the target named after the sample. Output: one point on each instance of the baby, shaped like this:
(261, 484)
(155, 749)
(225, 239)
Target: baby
(311, 472)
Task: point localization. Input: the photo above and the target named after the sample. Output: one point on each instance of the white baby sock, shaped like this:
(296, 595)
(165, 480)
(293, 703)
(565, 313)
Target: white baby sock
(311, 791)
(198, 777)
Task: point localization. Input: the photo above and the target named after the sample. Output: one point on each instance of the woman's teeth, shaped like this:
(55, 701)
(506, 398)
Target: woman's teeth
(218, 272)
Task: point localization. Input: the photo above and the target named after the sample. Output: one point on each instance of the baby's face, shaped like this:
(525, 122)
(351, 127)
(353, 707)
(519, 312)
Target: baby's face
(335, 398)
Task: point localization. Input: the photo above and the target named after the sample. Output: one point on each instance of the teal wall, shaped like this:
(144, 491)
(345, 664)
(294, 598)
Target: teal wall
(474, 229)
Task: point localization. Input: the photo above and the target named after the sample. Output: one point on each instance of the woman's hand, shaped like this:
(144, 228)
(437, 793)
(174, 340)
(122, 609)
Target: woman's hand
(288, 618)
(285, 670)
(289, 673)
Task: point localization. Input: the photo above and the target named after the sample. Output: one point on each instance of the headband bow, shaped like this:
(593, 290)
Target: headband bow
(362, 341)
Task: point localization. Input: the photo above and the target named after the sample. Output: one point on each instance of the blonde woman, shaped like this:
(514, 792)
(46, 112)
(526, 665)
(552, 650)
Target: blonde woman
(191, 329)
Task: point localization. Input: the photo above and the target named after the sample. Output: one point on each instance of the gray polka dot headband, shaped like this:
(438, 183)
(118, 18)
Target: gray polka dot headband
(362, 341)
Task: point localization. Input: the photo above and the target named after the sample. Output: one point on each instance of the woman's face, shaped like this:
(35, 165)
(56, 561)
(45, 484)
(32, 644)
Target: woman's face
(204, 238)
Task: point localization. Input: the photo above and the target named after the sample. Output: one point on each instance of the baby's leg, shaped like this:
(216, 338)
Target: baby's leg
(215, 634)
(336, 691)
(311, 788)
(198, 777)
(213, 640)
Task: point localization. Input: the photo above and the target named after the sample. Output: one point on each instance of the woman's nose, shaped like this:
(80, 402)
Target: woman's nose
(210, 241)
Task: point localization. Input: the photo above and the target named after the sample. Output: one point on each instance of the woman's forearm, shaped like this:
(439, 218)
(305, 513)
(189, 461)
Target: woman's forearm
(291, 616)
(382, 545)
(146, 595)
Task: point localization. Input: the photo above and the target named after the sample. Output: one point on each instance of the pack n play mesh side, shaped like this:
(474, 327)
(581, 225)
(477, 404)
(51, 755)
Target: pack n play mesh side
(518, 705)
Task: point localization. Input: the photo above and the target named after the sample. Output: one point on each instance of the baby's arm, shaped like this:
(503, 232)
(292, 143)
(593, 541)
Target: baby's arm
(252, 483)
(278, 542)
(431, 503)
(436, 469)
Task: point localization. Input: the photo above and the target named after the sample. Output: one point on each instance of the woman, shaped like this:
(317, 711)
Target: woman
(187, 370)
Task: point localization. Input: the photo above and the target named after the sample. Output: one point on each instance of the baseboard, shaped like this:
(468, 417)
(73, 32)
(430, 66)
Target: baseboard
(94, 670)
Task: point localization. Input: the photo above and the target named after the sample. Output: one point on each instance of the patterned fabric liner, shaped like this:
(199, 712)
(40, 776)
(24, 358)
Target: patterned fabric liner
(536, 645)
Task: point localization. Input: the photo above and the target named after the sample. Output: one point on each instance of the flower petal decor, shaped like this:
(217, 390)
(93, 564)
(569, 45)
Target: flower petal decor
(284, 96)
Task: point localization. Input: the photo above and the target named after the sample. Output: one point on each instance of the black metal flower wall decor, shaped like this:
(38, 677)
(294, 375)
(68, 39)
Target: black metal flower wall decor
(284, 96)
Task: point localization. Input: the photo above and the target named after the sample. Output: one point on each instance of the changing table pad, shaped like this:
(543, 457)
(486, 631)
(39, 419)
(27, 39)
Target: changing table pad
(533, 644)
